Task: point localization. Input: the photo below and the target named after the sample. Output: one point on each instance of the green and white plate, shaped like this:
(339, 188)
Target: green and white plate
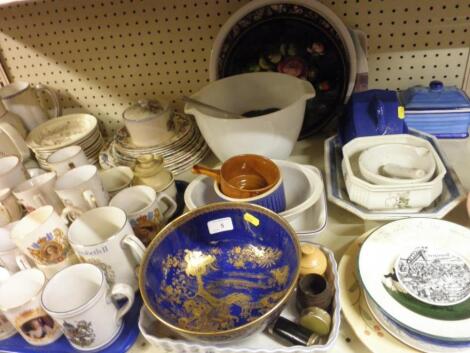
(376, 271)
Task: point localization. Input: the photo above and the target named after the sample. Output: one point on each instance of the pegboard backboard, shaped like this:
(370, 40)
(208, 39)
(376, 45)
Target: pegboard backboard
(103, 55)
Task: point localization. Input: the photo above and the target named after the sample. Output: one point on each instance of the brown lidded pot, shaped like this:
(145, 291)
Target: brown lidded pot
(244, 176)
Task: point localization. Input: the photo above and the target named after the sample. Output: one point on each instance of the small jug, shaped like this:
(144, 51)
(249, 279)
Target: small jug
(20, 98)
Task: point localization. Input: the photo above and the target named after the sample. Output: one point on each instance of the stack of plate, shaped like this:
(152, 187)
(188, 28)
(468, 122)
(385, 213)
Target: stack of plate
(180, 152)
(415, 274)
(74, 129)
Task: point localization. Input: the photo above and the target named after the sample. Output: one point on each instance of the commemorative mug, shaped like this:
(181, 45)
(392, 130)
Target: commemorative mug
(10, 256)
(67, 158)
(6, 328)
(80, 190)
(20, 303)
(42, 236)
(147, 211)
(21, 98)
(10, 211)
(38, 191)
(12, 172)
(84, 305)
(104, 237)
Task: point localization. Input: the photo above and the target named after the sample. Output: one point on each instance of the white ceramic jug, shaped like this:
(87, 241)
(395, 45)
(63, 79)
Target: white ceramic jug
(20, 98)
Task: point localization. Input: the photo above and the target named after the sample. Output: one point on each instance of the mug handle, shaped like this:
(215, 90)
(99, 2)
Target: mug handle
(17, 140)
(90, 198)
(123, 290)
(53, 96)
(169, 202)
(5, 211)
(22, 262)
(66, 215)
(137, 247)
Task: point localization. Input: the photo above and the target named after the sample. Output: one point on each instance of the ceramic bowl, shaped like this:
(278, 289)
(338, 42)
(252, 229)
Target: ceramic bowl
(303, 186)
(271, 135)
(417, 163)
(221, 272)
(410, 197)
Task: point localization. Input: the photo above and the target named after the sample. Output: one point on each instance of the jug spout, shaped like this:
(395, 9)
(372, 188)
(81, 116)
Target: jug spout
(309, 90)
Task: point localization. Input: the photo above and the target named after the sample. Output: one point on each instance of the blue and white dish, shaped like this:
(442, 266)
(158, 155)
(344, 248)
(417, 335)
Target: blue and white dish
(438, 110)
(220, 272)
(413, 339)
(452, 193)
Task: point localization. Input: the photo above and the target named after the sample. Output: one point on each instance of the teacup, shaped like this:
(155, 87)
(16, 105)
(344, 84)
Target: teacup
(12, 172)
(78, 298)
(244, 176)
(42, 236)
(10, 211)
(116, 179)
(6, 328)
(10, 256)
(20, 303)
(38, 191)
(104, 237)
(67, 158)
(147, 211)
(81, 189)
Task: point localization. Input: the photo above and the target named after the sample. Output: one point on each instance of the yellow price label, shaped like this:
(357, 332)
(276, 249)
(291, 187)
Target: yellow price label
(251, 219)
(401, 112)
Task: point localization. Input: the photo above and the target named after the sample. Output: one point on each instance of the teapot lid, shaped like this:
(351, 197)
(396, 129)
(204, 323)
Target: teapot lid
(435, 96)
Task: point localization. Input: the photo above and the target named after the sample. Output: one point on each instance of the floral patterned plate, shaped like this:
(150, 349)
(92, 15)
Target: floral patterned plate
(291, 37)
(356, 311)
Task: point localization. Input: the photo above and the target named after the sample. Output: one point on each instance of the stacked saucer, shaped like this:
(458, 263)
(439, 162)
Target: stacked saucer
(180, 151)
(74, 129)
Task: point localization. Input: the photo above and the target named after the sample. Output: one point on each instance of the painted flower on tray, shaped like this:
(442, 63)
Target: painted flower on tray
(294, 66)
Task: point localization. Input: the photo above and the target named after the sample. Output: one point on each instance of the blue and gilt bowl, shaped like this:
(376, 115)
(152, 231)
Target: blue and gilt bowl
(220, 272)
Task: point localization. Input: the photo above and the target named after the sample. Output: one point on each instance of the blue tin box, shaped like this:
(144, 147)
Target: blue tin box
(438, 110)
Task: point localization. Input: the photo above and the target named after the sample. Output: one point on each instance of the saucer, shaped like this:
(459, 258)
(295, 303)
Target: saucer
(123, 341)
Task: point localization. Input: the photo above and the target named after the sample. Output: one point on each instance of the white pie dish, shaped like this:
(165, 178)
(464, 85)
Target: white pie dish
(410, 197)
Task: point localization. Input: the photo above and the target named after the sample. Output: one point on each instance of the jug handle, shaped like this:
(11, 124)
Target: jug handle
(379, 110)
(17, 140)
(53, 96)
(213, 173)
